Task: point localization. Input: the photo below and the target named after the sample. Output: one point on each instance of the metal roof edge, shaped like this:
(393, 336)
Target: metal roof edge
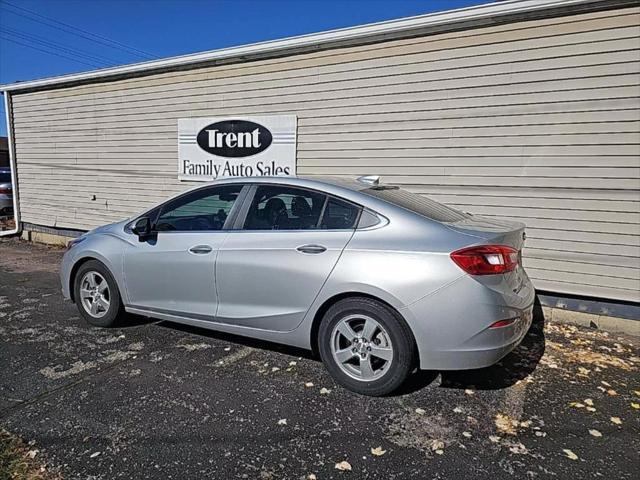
(384, 30)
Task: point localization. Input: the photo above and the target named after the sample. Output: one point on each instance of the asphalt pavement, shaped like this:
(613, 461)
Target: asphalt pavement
(159, 400)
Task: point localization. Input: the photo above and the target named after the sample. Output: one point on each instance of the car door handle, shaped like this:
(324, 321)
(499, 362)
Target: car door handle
(201, 249)
(311, 248)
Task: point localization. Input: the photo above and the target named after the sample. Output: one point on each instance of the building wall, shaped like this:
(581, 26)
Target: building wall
(537, 121)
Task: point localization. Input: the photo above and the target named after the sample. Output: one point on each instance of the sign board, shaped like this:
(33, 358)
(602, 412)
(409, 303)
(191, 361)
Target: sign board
(217, 147)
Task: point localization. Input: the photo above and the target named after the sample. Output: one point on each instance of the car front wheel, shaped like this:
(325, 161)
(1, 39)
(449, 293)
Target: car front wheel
(96, 294)
(366, 346)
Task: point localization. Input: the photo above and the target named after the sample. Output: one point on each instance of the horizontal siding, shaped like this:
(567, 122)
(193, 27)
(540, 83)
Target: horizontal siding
(536, 121)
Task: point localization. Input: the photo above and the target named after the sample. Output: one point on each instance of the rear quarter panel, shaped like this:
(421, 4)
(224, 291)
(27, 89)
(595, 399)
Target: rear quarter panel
(399, 263)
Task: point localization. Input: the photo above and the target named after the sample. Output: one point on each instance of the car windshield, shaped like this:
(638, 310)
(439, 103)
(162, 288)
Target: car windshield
(417, 203)
(5, 177)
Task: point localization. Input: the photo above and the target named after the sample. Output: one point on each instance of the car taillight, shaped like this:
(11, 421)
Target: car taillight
(486, 259)
(503, 323)
(5, 191)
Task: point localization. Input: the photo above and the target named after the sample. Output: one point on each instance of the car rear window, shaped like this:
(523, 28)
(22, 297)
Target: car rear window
(417, 203)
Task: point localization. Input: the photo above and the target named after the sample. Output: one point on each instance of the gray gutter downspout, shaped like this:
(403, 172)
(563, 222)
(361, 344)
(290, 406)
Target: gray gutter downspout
(12, 167)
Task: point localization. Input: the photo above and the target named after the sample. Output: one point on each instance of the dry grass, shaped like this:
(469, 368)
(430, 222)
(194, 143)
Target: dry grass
(20, 462)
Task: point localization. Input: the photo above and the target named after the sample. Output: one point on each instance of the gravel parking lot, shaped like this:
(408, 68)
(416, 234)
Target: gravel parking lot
(159, 400)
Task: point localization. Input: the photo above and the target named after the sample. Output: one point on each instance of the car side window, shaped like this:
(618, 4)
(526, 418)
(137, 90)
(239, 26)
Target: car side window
(284, 208)
(205, 209)
(339, 215)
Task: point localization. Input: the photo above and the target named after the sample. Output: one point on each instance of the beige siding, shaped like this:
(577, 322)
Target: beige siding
(537, 121)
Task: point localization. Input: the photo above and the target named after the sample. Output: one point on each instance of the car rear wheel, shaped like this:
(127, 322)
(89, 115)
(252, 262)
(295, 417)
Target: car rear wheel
(96, 294)
(366, 346)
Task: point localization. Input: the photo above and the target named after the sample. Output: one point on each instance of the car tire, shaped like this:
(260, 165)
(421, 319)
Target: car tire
(93, 276)
(363, 371)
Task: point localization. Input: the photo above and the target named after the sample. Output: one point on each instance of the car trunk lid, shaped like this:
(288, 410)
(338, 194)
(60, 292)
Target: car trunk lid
(493, 231)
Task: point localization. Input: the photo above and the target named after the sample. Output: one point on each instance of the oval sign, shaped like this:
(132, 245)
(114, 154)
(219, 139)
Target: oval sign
(234, 138)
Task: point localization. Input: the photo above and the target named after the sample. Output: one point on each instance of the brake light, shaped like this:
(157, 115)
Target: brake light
(486, 259)
(5, 191)
(503, 323)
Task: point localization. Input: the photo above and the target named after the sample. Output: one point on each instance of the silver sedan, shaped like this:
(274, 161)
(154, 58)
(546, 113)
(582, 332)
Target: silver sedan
(377, 280)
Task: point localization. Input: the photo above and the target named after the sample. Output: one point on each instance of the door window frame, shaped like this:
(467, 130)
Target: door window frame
(154, 212)
(238, 224)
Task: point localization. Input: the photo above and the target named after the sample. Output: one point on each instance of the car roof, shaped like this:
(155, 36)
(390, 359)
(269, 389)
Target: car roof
(348, 188)
(309, 181)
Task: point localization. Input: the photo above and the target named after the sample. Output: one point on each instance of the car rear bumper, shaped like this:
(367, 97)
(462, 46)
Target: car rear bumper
(452, 327)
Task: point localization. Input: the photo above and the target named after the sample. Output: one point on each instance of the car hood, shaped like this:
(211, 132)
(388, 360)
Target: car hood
(114, 228)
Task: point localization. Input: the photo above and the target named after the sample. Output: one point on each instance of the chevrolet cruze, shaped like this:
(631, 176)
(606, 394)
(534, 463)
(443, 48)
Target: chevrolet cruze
(377, 280)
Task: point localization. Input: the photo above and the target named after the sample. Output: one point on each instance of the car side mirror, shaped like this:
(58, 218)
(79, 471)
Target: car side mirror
(142, 228)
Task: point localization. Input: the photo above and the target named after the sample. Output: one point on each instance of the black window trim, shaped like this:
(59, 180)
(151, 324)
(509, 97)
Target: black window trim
(248, 200)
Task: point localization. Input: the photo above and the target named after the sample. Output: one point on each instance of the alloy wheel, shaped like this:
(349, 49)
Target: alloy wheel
(361, 347)
(95, 295)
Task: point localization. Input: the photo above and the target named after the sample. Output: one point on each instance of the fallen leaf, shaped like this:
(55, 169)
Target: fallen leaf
(612, 392)
(606, 384)
(616, 420)
(437, 445)
(506, 424)
(94, 455)
(570, 454)
(308, 384)
(275, 369)
(457, 410)
(583, 371)
(312, 476)
(324, 391)
(343, 466)
(588, 401)
(541, 434)
(494, 438)
(466, 434)
(420, 411)
(439, 452)
(595, 433)
(518, 448)
(32, 453)
(282, 421)
(293, 364)
(576, 405)
(378, 451)
(468, 391)
(591, 409)
(635, 405)
(637, 392)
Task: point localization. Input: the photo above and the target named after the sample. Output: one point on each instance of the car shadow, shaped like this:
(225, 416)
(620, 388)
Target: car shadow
(516, 366)
(240, 340)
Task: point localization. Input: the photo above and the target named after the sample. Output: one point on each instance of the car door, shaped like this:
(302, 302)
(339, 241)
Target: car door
(274, 263)
(174, 270)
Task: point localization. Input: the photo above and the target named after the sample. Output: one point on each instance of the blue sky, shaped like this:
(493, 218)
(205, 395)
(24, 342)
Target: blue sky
(34, 45)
